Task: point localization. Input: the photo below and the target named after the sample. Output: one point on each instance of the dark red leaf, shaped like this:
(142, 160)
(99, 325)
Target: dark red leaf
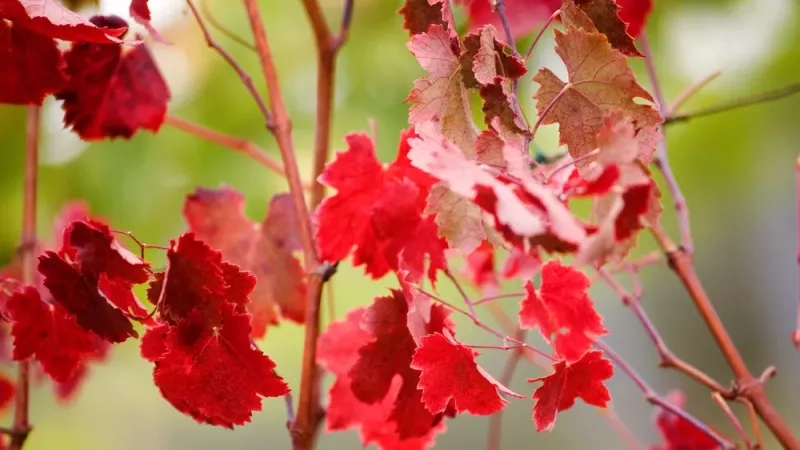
(50, 334)
(93, 249)
(562, 308)
(50, 18)
(419, 15)
(32, 65)
(112, 92)
(558, 392)
(79, 294)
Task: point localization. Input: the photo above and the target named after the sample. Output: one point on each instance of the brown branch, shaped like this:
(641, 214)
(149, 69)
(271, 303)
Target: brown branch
(668, 359)
(246, 79)
(732, 417)
(661, 159)
(328, 47)
(654, 399)
(735, 104)
(21, 426)
(746, 386)
(309, 414)
(232, 142)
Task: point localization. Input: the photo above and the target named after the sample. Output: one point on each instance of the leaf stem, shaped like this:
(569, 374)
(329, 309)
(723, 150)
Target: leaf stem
(547, 109)
(746, 386)
(246, 79)
(305, 427)
(661, 159)
(654, 399)
(328, 47)
(21, 427)
(540, 34)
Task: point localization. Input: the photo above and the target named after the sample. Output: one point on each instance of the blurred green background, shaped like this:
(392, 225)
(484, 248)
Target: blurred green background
(736, 169)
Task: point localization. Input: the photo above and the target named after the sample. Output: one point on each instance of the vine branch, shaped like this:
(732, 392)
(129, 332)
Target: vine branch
(765, 97)
(21, 426)
(746, 385)
(328, 46)
(305, 426)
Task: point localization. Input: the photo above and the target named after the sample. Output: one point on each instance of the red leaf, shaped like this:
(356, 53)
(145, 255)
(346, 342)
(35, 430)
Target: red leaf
(194, 280)
(93, 249)
(79, 294)
(111, 93)
(449, 373)
(216, 216)
(51, 334)
(564, 309)
(213, 373)
(33, 66)
(582, 379)
(120, 293)
(523, 15)
(371, 352)
(7, 390)
(678, 433)
(481, 269)
(602, 16)
(379, 211)
(635, 14)
(50, 18)
(419, 15)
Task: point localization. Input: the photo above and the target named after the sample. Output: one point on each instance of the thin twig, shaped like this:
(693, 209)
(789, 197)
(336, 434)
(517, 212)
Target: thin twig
(462, 292)
(661, 159)
(540, 34)
(496, 420)
(747, 386)
(752, 417)
(222, 29)
(694, 88)
(654, 399)
(246, 79)
(305, 427)
(668, 359)
(328, 47)
(735, 104)
(232, 142)
(732, 417)
(21, 426)
(621, 428)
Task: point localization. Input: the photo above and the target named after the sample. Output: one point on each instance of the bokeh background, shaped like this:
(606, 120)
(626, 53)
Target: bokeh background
(736, 169)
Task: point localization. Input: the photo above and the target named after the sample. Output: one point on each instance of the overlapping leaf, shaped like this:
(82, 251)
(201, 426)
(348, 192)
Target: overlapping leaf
(51, 19)
(562, 311)
(216, 216)
(112, 91)
(599, 81)
(33, 66)
(379, 211)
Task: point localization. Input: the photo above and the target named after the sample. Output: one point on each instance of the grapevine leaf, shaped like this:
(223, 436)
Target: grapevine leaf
(379, 211)
(485, 58)
(635, 14)
(481, 268)
(558, 392)
(523, 15)
(562, 308)
(677, 432)
(419, 15)
(92, 247)
(77, 292)
(216, 216)
(33, 66)
(7, 390)
(448, 372)
(112, 93)
(50, 18)
(602, 16)
(599, 81)
(50, 334)
(214, 373)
